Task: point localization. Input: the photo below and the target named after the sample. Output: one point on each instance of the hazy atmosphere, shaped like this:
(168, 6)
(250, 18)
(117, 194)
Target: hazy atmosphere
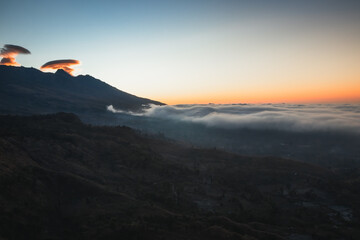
(323, 133)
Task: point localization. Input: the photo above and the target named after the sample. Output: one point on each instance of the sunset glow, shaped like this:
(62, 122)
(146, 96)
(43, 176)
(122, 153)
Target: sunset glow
(336, 91)
(9, 61)
(341, 97)
(202, 51)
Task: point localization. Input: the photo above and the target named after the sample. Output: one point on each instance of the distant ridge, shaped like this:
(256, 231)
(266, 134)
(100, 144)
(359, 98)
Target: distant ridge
(27, 91)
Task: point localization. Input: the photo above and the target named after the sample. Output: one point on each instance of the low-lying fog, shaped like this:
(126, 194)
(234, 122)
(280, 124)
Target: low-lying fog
(323, 133)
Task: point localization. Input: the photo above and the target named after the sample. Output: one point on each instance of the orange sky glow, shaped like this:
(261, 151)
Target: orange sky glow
(180, 52)
(9, 61)
(334, 94)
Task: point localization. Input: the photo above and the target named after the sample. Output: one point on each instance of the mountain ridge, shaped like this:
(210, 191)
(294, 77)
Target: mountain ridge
(31, 91)
(63, 179)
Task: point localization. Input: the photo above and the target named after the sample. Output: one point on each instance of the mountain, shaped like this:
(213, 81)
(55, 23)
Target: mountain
(30, 91)
(62, 179)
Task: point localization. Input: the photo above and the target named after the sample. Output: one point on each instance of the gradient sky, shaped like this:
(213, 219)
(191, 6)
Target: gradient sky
(198, 51)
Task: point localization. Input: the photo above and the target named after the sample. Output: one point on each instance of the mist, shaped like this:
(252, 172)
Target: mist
(327, 134)
(285, 117)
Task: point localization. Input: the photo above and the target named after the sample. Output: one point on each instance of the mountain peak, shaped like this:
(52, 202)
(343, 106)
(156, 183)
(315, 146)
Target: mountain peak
(62, 72)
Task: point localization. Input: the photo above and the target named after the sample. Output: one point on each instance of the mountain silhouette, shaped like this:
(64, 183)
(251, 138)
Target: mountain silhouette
(62, 72)
(30, 91)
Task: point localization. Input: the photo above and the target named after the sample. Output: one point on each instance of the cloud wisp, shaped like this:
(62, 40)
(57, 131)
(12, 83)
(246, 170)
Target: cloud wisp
(64, 64)
(287, 117)
(9, 53)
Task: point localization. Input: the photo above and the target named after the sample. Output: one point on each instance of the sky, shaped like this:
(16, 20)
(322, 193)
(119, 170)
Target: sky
(198, 51)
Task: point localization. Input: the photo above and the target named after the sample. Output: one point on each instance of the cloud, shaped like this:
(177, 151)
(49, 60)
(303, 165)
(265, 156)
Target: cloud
(64, 64)
(9, 61)
(9, 53)
(287, 117)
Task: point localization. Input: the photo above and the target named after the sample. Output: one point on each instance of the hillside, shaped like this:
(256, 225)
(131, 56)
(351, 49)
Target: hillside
(30, 91)
(62, 179)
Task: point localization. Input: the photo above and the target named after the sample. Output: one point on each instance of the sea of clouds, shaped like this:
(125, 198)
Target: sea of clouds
(288, 117)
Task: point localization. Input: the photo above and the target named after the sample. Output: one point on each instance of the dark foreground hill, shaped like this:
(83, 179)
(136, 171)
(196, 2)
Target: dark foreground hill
(30, 91)
(61, 179)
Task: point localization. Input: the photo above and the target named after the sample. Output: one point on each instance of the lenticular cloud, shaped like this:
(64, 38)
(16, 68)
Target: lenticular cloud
(65, 64)
(9, 53)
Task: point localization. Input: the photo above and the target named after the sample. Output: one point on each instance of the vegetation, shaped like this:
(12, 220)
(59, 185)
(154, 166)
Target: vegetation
(62, 179)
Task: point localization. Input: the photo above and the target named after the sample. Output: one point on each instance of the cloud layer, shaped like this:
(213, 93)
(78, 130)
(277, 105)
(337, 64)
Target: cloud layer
(64, 64)
(298, 118)
(9, 53)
